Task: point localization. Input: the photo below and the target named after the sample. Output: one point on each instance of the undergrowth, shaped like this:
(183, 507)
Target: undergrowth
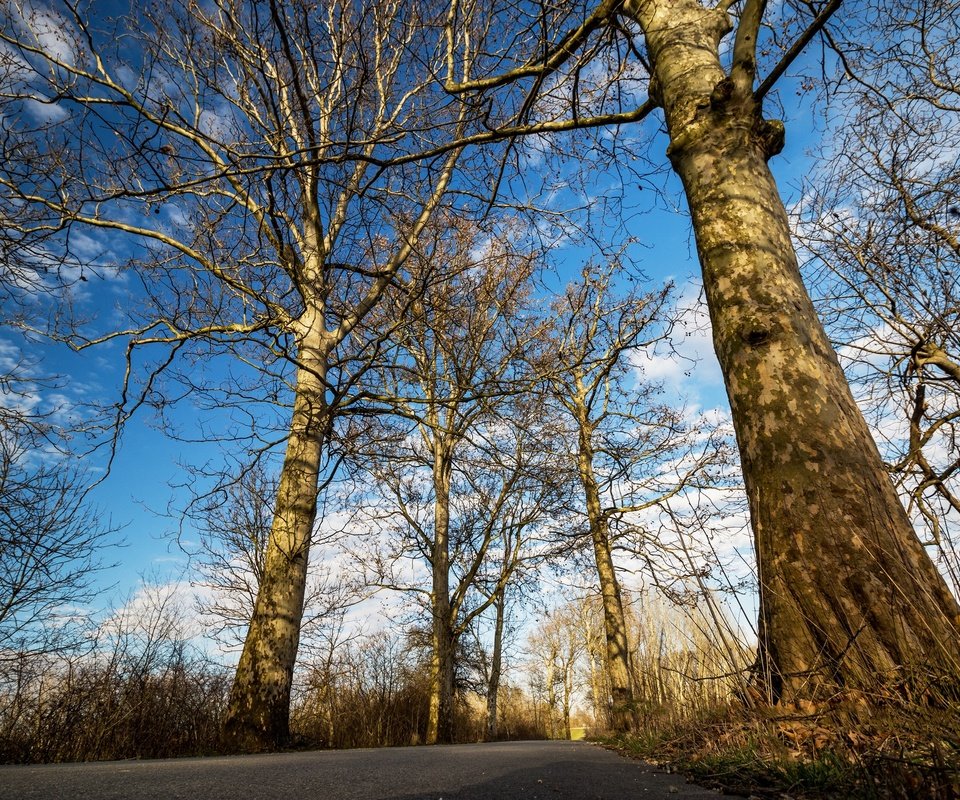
(844, 748)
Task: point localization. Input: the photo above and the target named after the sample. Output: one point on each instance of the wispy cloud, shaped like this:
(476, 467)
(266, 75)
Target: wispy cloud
(688, 367)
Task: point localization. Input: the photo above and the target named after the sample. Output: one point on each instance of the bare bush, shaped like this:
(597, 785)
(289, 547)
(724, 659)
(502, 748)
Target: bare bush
(142, 691)
(377, 694)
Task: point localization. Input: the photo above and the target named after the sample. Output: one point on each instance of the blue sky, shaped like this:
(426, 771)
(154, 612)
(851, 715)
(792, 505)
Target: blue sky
(148, 464)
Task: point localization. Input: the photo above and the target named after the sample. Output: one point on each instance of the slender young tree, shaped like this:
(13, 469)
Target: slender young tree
(493, 641)
(495, 672)
(465, 477)
(632, 452)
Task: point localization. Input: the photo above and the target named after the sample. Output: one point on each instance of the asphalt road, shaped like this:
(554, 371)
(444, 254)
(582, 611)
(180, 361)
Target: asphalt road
(505, 771)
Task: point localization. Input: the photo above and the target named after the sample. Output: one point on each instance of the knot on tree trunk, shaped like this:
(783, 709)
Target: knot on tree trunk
(770, 136)
(756, 336)
(722, 93)
(654, 91)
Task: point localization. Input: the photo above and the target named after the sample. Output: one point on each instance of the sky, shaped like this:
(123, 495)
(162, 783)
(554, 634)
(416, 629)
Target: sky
(148, 466)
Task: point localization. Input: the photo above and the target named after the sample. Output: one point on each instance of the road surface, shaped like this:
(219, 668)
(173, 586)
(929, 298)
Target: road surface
(502, 771)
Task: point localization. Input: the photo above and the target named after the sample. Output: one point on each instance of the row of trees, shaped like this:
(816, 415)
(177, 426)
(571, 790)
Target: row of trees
(295, 190)
(501, 441)
(144, 690)
(679, 666)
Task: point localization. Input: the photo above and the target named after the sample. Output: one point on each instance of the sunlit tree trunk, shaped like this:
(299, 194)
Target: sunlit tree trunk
(614, 620)
(551, 670)
(849, 598)
(258, 713)
(440, 722)
(496, 665)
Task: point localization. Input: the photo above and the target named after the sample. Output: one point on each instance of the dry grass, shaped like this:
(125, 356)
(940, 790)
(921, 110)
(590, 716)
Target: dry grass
(851, 747)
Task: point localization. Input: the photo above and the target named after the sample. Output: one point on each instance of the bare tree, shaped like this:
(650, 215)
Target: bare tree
(633, 453)
(849, 597)
(557, 649)
(264, 172)
(52, 542)
(461, 470)
(883, 222)
(494, 673)
(493, 641)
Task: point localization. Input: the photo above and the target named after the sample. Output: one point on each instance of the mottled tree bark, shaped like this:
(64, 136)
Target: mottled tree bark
(621, 712)
(258, 712)
(440, 721)
(848, 596)
(496, 666)
(552, 694)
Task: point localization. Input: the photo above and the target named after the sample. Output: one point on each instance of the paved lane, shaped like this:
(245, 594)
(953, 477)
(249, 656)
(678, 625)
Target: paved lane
(504, 771)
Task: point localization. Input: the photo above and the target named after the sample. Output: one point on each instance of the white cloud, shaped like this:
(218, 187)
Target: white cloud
(215, 125)
(689, 367)
(165, 609)
(42, 111)
(48, 30)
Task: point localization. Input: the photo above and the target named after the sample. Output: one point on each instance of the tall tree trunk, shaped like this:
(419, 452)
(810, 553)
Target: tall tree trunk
(440, 722)
(848, 596)
(598, 688)
(552, 694)
(621, 713)
(496, 665)
(258, 713)
(443, 662)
